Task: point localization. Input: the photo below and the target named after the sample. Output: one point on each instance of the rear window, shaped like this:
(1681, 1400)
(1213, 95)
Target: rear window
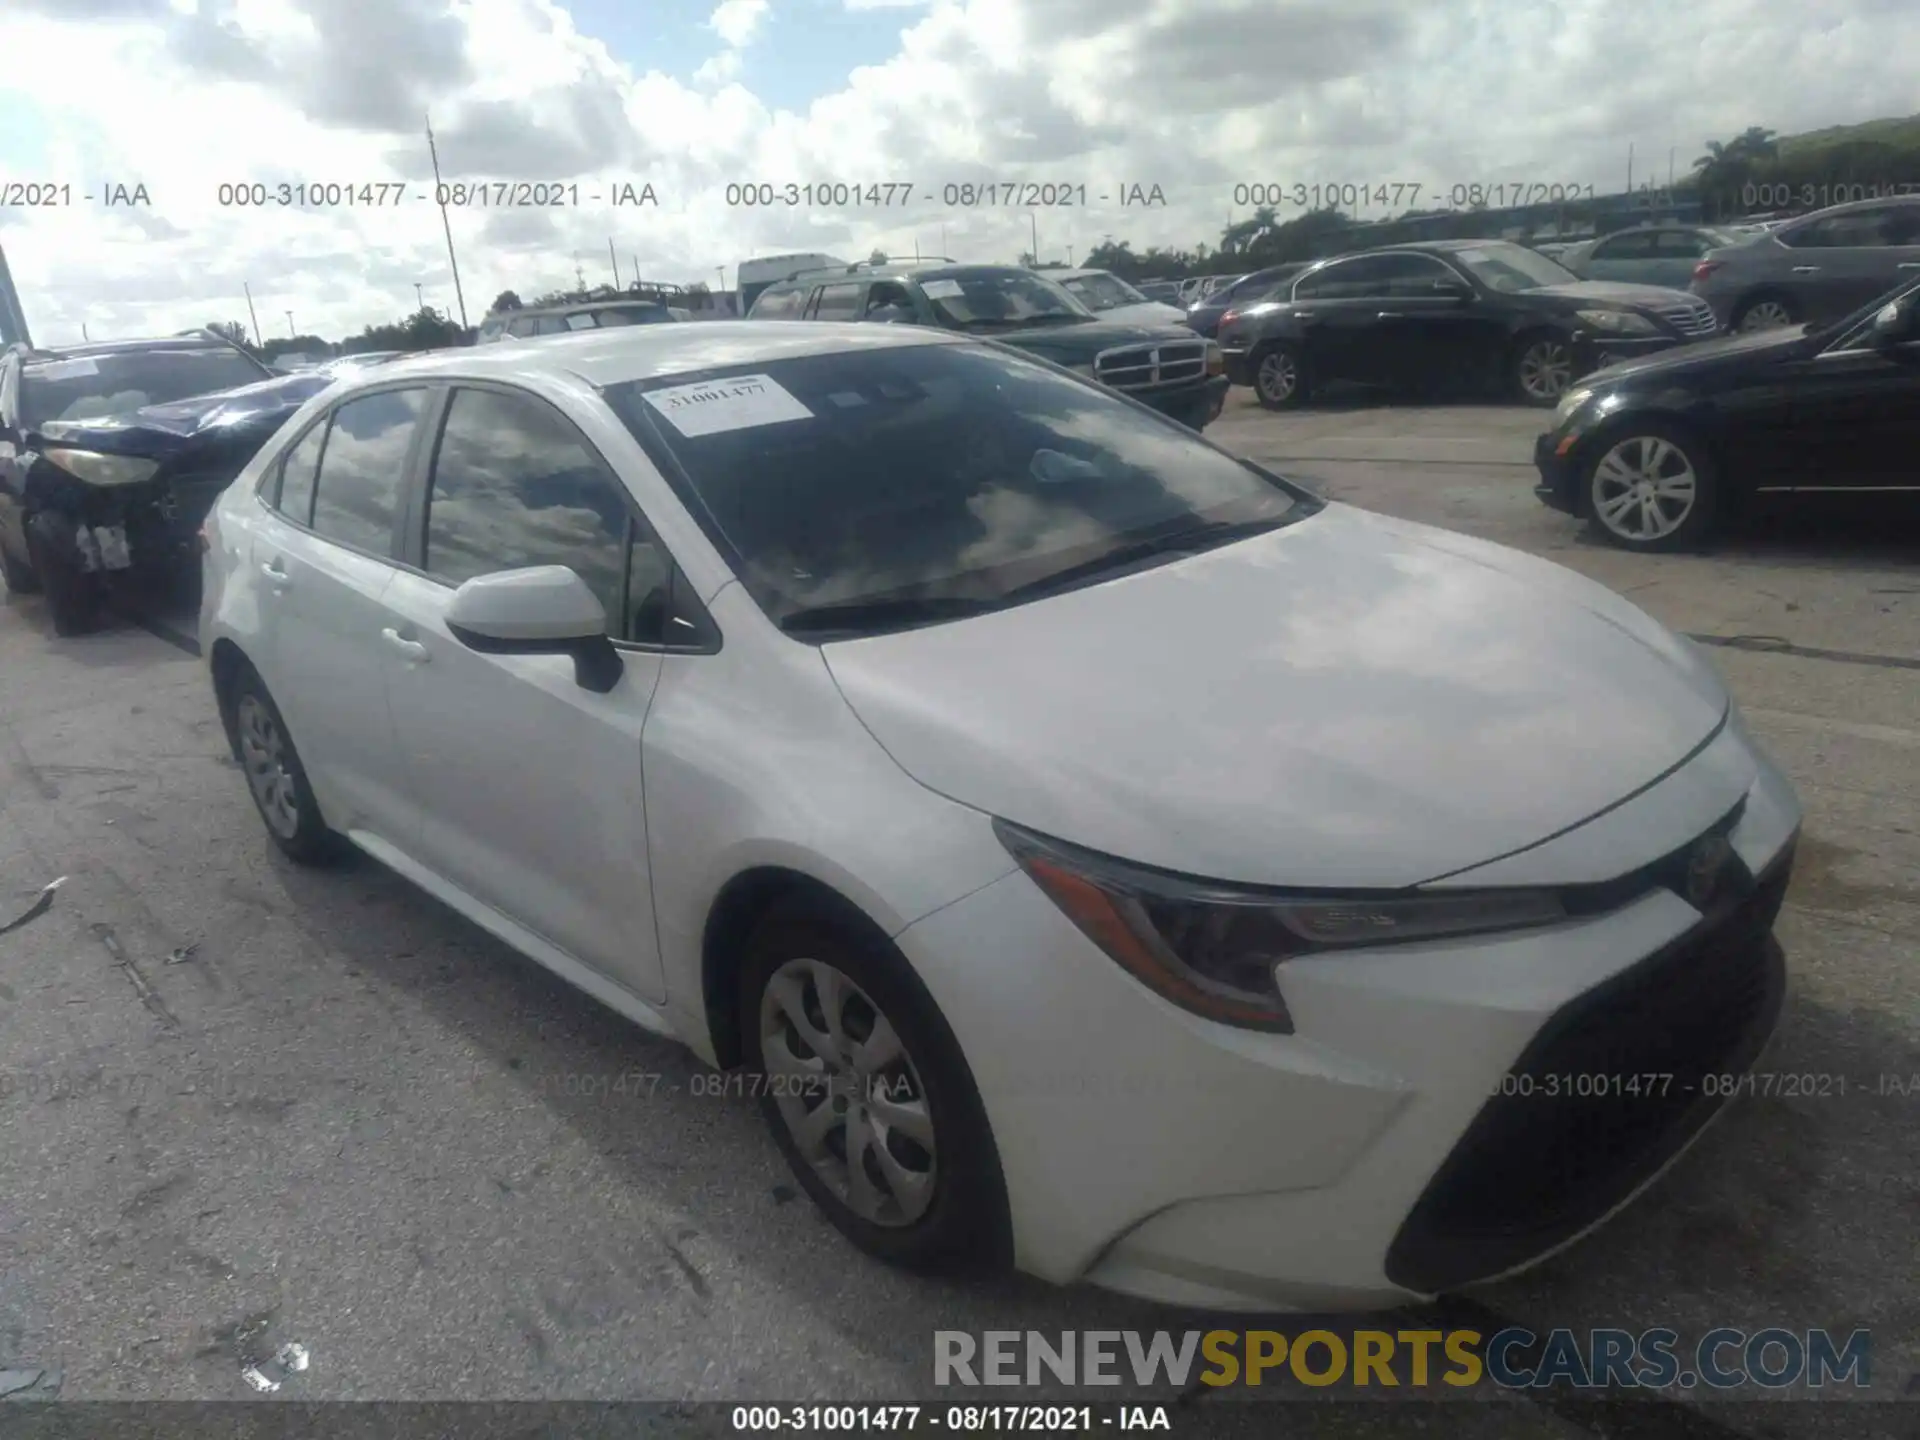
(87, 387)
(634, 315)
(778, 305)
(955, 472)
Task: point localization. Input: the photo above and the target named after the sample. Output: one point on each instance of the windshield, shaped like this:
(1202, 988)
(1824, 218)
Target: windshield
(90, 386)
(634, 315)
(989, 300)
(1508, 268)
(1100, 291)
(929, 476)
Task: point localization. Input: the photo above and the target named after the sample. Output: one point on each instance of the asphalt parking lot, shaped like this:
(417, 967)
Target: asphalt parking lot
(250, 1104)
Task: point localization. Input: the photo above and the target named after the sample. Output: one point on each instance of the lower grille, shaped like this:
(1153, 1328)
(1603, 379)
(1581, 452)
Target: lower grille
(1139, 367)
(1611, 1089)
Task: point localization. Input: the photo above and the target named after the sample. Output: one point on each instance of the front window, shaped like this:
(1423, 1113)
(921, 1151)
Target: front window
(87, 387)
(1100, 291)
(1510, 268)
(871, 490)
(985, 301)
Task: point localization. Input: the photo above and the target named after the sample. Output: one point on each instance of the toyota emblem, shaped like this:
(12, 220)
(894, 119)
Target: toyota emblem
(1706, 870)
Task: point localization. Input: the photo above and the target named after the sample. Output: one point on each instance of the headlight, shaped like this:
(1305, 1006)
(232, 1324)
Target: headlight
(1215, 949)
(1570, 402)
(1216, 361)
(1618, 322)
(97, 469)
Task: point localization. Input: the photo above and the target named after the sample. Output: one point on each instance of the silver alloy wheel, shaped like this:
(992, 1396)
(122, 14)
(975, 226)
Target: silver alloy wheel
(848, 1092)
(1278, 377)
(1546, 369)
(1765, 315)
(1644, 488)
(263, 754)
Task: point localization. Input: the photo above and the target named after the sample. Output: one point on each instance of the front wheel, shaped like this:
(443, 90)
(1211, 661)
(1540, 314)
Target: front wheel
(868, 1096)
(75, 595)
(1542, 369)
(1278, 380)
(1651, 488)
(17, 573)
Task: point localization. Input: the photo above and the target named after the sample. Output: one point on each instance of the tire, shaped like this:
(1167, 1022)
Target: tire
(17, 573)
(1279, 377)
(940, 1206)
(1629, 459)
(1768, 310)
(74, 596)
(1540, 369)
(276, 779)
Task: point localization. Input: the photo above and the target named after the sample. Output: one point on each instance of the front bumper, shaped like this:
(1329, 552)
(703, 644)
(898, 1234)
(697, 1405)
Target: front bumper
(1555, 457)
(1195, 406)
(1361, 1162)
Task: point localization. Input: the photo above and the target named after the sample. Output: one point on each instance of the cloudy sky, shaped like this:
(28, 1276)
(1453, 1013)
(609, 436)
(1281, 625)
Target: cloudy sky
(1196, 96)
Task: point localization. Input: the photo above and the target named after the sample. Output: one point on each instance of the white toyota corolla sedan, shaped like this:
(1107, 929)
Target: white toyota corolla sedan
(1103, 855)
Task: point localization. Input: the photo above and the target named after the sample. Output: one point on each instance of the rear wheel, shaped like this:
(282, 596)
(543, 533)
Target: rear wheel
(1766, 312)
(275, 777)
(868, 1095)
(1651, 487)
(1542, 369)
(74, 594)
(1278, 382)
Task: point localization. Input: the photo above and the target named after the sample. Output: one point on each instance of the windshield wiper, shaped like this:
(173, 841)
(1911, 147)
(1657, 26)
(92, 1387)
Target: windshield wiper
(1209, 535)
(857, 617)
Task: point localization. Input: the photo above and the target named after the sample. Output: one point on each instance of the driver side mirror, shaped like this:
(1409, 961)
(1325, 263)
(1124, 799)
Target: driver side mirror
(541, 610)
(1898, 323)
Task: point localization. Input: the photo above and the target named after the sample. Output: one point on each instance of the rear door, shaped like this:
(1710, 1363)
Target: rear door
(531, 786)
(323, 556)
(1844, 260)
(1337, 309)
(1627, 255)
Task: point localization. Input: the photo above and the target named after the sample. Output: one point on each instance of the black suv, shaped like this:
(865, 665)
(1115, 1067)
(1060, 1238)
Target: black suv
(111, 455)
(1450, 314)
(1165, 366)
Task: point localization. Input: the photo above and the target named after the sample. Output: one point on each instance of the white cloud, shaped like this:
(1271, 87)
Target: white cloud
(738, 21)
(1192, 95)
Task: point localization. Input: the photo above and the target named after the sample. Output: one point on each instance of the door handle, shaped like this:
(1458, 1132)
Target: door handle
(1805, 269)
(1390, 315)
(276, 576)
(1908, 265)
(416, 653)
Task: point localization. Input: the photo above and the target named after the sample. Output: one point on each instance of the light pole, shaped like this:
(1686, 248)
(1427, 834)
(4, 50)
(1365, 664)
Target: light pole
(419, 300)
(292, 334)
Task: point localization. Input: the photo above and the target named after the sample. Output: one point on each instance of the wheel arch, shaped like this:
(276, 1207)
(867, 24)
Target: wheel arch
(227, 662)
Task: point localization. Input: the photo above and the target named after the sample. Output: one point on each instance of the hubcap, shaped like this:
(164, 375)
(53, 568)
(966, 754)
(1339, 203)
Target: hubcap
(1546, 369)
(1644, 488)
(1767, 315)
(848, 1092)
(1278, 377)
(263, 754)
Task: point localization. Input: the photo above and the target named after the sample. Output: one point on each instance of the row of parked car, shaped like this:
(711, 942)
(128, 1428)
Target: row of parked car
(111, 454)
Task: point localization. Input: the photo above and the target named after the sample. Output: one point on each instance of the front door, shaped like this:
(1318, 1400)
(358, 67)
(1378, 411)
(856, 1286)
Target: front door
(529, 784)
(1855, 418)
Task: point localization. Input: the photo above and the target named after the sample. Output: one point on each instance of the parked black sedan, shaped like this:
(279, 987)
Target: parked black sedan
(112, 454)
(1652, 453)
(1447, 314)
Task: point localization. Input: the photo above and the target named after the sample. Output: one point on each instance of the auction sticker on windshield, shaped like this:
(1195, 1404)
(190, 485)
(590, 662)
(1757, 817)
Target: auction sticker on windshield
(941, 289)
(66, 369)
(713, 407)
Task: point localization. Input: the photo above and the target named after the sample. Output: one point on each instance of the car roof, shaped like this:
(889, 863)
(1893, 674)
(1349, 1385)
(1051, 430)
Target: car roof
(573, 307)
(39, 353)
(614, 357)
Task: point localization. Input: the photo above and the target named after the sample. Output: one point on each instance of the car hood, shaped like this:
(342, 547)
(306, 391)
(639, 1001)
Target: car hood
(160, 430)
(1078, 344)
(1348, 701)
(1150, 312)
(1739, 349)
(1613, 292)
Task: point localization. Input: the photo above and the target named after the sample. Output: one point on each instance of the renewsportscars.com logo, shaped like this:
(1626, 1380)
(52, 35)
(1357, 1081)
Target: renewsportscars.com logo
(1514, 1358)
